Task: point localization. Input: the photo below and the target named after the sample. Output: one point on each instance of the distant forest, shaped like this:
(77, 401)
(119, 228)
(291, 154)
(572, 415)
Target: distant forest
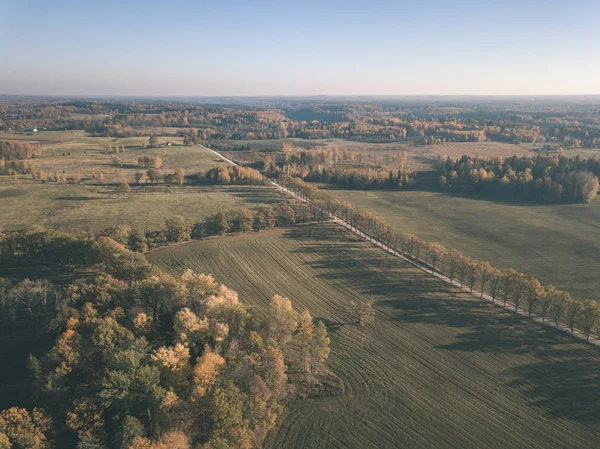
(569, 124)
(539, 178)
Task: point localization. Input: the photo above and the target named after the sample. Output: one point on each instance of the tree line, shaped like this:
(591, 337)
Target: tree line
(315, 156)
(525, 292)
(352, 177)
(426, 123)
(16, 150)
(146, 360)
(15, 167)
(343, 168)
(38, 242)
(540, 178)
(231, 174)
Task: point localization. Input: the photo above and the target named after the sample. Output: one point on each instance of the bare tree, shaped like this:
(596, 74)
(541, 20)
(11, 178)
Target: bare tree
(42, 287)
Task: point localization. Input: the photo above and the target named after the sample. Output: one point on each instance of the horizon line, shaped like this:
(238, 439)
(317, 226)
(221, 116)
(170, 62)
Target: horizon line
(47, 95)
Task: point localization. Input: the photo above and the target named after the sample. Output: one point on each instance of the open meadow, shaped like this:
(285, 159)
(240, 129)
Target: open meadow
(70, 152)
(93, 208)
(437, 369)
(558, 244)
(455, 150)
(94, 204)
(420, 157)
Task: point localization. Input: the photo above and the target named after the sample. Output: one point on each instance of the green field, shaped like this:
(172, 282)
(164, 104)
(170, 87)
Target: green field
(93, 208)
(558, 244)
(93, 205)
(420, 157)
(73, 151)
(436, 370)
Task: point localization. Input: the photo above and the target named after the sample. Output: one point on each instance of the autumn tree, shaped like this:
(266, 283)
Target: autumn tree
(519, 290)
(485, 273)
(495, 277)
(590, 311)
(137, 241)
(23, 429)
(573, 310)
(509, 277)
(436, 253)
(547, 301)
(123, 189)
(534, 294)
(304, 339)
(179, 176)
(560, 304)
(153, 175)
(227, 412)
(281, 321)
(242, 220)
(264, 218)
(452, 262)
(206, 373)
(177, 229)
(221, 223)
(362, 311)
(285, 215)
(320, 347)
(153, 141)
(157, 162)
(472, 271)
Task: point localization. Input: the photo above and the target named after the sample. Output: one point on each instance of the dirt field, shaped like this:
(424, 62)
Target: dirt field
(436, 370)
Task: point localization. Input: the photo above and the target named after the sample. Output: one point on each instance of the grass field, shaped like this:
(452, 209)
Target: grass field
(420, 157)
(486, 149)
(436, 370)
(558, 244)
(73, 151)
(93, 205)
(93, 208)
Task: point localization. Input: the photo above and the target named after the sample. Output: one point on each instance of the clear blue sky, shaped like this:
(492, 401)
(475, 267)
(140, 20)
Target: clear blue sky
(195, 47)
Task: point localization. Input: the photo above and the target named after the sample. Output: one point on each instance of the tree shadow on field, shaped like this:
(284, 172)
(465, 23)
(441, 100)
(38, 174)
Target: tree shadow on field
(566, 387)
(559, 373)
(255, 196)
(506, 201)
(553, 371)
(504, 332)
(20, 268)
(401, 291)
(79, 198)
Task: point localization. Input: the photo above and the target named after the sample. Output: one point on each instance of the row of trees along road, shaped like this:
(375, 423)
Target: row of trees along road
(523, 291)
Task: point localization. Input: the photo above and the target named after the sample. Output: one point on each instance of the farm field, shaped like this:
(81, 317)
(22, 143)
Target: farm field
(420, 157)
(486, 149)
(435, 370)
(558, 244)
(72, 151)
(93, 208)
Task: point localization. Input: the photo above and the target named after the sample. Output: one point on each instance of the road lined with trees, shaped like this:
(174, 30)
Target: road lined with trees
(452, 266)
(457, 269)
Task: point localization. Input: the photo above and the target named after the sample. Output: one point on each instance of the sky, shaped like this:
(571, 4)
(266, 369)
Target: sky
(306, 47)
